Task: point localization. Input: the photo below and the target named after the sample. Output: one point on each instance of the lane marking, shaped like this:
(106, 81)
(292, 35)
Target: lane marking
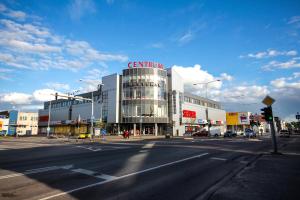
(35, 171)
(89, 148)
(106, 177)
(216, 158)
(124, 176)
(84, 171)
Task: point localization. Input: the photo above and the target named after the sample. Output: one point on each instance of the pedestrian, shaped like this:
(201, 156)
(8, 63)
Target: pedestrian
(124, 133)
(128, 134)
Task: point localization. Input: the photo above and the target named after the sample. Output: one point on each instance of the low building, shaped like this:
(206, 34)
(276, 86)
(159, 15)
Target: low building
(145, 98)
(238, 121)
(4, 120)
(22, 123)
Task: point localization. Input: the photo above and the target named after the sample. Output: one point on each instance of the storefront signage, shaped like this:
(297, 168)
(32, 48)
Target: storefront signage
(189, 114)
(243, 118)
(145, 64)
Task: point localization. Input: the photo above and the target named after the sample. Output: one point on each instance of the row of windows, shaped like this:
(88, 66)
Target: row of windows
(72, 102)
(24, 118)
(202, 103)
(144, 110)
(144, 78)
(156, 93)
(144, 71)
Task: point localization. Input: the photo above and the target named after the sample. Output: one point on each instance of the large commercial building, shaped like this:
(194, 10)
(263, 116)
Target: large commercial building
(145, 98)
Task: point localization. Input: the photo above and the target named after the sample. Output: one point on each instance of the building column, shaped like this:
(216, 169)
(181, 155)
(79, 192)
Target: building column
(155, 129)
(134, 129)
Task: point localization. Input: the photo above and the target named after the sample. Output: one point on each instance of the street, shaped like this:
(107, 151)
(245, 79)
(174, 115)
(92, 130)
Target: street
(194, 168)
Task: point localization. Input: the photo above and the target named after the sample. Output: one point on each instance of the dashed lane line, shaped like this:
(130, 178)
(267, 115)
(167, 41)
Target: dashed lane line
(35, 171)
(124, 176)
(216, 158)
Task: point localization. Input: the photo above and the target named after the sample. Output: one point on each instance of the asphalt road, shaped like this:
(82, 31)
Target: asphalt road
(153, 169)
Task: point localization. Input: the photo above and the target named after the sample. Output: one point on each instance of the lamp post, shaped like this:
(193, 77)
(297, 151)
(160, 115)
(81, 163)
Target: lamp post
(49, 116)
(206, 85)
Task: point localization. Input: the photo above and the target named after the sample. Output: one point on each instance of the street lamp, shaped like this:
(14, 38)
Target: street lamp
(206, 85)
(92, 113)
(49, 116)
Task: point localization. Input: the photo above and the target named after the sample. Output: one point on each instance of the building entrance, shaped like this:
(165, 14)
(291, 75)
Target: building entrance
(149, 129)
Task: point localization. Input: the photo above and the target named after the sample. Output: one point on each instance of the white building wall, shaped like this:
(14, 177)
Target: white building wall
(111, 85)
(176, 87)
(213, 114)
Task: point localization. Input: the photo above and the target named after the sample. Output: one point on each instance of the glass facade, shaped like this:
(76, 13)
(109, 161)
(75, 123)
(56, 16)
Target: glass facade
(144, 95)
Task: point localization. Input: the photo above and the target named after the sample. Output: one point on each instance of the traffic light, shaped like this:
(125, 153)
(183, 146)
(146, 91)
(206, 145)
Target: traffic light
(267, 113)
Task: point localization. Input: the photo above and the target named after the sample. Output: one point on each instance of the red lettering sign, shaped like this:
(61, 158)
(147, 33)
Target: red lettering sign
(189, 114)
(43, 118)
(145, 64)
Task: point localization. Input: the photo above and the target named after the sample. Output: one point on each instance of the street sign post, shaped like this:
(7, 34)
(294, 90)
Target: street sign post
(268, 111)
(268, 100)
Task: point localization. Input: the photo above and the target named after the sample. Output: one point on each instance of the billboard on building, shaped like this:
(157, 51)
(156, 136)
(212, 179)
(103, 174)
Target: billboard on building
(237, 118)
(244, 118)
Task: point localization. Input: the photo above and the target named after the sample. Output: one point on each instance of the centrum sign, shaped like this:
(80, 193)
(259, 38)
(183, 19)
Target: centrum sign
(145, 64)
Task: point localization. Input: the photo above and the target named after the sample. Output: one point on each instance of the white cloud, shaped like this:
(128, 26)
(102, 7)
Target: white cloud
(157, 45)
(17, 15)
(58, 86)
(296, 74)
(79, 8)
(226, 77)
(92, 79)
(33, 46)
(16, 98)
(270, 53)
(293, 63)
(294, 19)
(194, 75)
(185, 38)
(281, 83)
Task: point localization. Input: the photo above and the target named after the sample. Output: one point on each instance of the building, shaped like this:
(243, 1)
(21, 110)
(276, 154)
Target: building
(238, 121)
(145, 98)
(20, 123)
(4, 120)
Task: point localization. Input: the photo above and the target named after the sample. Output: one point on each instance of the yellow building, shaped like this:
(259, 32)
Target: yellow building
(238, 121)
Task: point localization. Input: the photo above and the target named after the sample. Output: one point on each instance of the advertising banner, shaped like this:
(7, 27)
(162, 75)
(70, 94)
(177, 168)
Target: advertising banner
(232, 118)
(244, 118)
(189, 114)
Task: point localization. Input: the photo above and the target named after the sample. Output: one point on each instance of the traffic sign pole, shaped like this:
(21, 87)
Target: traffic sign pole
(273, 134)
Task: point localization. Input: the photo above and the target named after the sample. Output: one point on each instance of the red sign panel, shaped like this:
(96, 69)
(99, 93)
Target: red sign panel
(189, 113)
(43, 118)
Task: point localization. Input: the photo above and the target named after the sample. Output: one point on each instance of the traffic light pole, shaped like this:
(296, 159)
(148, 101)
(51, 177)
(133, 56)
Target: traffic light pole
(273, 133)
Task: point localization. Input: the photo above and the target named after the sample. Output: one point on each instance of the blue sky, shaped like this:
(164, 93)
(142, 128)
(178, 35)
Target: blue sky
(253, 46)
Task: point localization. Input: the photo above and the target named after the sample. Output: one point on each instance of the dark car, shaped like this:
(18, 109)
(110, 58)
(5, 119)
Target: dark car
(203, 133)
(230, 134)
(284, 133)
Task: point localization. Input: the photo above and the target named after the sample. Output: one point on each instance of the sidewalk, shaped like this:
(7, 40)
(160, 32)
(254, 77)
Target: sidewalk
(269, 177)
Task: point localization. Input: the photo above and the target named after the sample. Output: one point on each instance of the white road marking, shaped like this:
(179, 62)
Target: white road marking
(35, 171)
(143, 151)
(124, 176)
(216, 158)
(89, 148)
(84, 171)
(106, 177)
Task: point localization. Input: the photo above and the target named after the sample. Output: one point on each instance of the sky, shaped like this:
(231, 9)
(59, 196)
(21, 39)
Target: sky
(253, 47)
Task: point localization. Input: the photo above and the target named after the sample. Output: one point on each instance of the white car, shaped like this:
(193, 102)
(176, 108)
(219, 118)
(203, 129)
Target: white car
(215, 132)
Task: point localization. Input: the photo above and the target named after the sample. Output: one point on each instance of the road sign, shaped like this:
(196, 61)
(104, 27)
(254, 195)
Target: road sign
(268, 100)
(297, 116)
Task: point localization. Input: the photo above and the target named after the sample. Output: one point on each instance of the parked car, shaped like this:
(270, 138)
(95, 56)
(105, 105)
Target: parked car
(203, 133)
(249, 133)
(215, 132)
(284, 133)
(230, 134)
(84, 135)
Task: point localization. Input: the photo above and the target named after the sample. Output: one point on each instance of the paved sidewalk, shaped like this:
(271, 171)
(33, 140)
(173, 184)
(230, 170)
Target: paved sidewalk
(270, 177)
